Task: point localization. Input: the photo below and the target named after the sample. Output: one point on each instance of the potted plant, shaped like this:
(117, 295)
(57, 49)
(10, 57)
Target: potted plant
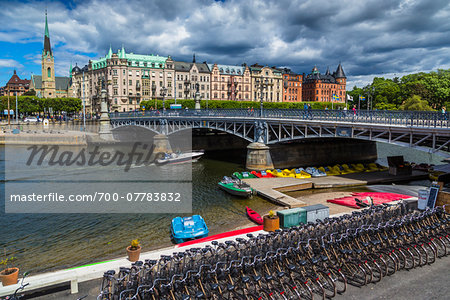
(271, 222)
(9, 275)
(134, 251)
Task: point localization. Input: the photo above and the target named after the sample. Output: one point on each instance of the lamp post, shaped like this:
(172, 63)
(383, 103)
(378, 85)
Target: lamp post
(163, 94)
(262, 85)
(154, 94)
(17, 116)
(9, 116)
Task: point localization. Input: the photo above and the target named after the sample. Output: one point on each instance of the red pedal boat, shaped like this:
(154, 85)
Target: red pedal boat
(254, 216)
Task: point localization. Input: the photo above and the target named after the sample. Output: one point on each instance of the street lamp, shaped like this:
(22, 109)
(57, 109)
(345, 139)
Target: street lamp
(263, 84)
(163, 94)
(17, 120)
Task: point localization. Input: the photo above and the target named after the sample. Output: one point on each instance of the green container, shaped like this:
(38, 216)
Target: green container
(303, 216)
(291, 217)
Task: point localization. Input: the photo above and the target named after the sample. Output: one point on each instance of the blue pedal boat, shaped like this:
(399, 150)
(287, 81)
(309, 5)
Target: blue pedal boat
(188, 228)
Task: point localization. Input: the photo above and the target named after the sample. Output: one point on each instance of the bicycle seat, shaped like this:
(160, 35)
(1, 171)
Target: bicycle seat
(291, 267)
(303, 262)
(185, 297)
(228, 243)
(110, 272)
(124, 270)
(256, 278)
(401, 233)
(249, 235)
(280, 274)
(138, 263)
(314, 260)
(384, 237)
(358, 251)
(199, 295)
(268, 277)
(215, 243)
(230, 287)
(364, 244)
(245, 279)
(324, 258)
(214, 286)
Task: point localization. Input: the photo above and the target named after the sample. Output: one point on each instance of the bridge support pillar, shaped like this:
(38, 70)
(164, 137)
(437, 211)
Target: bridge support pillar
(258, 157)
(161, 144)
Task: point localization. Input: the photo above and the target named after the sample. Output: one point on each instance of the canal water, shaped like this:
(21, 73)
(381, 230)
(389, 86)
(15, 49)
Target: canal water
(44, 242)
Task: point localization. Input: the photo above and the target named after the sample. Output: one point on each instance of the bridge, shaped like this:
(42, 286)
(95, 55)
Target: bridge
(427, 131)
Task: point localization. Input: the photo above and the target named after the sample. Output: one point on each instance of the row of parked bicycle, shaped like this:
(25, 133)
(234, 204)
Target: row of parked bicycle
(313, 261)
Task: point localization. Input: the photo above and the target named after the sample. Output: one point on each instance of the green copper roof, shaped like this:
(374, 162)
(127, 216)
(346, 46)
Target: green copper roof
(134, 60)
(109, 52)
(70, 70)
(46, 26)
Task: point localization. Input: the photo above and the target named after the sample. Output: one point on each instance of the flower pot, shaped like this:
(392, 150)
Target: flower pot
(9, 276)
(271, 224)
(133, 255)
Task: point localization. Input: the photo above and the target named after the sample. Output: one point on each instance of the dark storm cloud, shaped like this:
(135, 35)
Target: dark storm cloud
(368, 37)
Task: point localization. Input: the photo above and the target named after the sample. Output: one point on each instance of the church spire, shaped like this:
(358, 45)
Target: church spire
(109, 52)
(47, 46)
(193, 58)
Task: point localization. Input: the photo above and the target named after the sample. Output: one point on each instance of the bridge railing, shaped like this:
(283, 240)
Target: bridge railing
(398, 118)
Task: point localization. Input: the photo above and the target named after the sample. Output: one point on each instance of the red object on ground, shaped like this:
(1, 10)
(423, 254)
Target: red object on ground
(220, 236)
(377, 198)
(253, 215)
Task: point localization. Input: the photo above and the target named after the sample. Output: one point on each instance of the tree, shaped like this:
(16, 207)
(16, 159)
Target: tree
(415, 103)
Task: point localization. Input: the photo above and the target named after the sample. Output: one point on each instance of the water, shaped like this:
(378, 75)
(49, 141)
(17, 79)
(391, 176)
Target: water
(44, 242)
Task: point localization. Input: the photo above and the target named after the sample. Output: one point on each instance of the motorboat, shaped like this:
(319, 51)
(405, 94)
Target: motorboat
(235, 187)
(188, 228)
(178, 158)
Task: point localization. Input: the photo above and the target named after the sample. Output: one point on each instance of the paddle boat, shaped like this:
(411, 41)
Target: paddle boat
(300, 173)
(278, 173)
(348, 169)
(358, 167)
(341, 169)
(329, 171)
(271, 173)
(314, 172)
(253, 215)
(179, 158)
(262, 174)
(288, 173)
(235, 187)
(243, 175)
(371, 167)
(188, 228)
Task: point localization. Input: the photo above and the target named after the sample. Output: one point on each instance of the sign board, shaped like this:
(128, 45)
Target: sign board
(45, 123)
(432, 196)
(175, 106)
(344, 131)
(11, 112)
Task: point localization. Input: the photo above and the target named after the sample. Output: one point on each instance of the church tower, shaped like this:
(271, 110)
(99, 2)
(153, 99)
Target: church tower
(48, 66)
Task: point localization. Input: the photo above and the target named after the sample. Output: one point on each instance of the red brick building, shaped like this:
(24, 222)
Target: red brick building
(322, 87)
(16, 85)
(292, 86)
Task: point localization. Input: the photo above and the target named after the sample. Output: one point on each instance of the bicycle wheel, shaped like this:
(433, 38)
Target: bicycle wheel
(355, 273)
(390, 262)
(408, 256)
(377, 273)
(430, 252)
(327, 284)
(301, 290)
(339, 280)
(441, 249)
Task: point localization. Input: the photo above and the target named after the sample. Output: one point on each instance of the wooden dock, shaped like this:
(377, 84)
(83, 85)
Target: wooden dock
(272, 188)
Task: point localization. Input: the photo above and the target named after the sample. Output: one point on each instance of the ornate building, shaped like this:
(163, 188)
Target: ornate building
(188, 75)
(128, 79)
(292, 86)
(322, 87)
(48, 85)
(273, 91)
(16, 85)
(230, 82)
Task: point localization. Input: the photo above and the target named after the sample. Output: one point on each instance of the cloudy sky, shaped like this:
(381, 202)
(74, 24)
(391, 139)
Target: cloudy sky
(370, 38)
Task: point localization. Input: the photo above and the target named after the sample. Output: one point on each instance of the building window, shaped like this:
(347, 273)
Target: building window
(115, 92)
(137, 73)
(49, 72)
(115, 72)
(130, 82)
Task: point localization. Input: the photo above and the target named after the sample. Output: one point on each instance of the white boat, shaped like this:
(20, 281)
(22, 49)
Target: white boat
(179, 158)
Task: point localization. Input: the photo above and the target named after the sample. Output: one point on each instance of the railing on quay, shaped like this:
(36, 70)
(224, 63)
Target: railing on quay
(395, 118)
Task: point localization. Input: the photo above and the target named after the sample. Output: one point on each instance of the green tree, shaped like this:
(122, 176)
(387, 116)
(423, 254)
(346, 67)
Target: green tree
(415, 103)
